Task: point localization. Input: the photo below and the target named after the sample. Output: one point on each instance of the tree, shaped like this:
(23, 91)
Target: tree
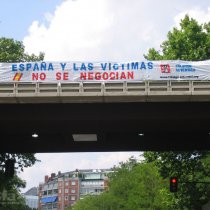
(132, 185)
(14, 51)
(190, 42)
(191, 168)
(139, 186)
(22, 161)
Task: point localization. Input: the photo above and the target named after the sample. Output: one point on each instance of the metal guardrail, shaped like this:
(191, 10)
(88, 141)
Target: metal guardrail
(105, 92)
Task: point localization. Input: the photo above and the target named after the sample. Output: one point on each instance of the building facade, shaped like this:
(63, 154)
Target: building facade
(62, 190)
(31, 198)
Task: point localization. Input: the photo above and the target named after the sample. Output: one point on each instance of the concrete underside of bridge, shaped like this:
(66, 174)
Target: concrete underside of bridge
(139, 126)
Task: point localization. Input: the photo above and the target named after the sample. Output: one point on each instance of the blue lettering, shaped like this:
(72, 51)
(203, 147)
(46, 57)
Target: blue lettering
(110, 66)
(43, 66)
(184, 68)
(115, 66)
(143, 66)
(63, 65)
(21, 67)
(50, 67)
(103, 66)
(28, 66)
(14, 67)
(83, 67)
(150, 65)
(75, 67)
(36, 67)
(134, 65)
(90, 66)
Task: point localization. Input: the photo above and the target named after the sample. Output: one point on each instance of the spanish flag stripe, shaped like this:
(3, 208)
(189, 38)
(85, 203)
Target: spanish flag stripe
(17, 76)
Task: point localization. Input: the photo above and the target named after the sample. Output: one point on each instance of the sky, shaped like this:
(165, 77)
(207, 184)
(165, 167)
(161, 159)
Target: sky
(91, 30)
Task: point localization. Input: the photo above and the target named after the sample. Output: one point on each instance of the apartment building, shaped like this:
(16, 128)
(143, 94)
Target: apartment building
(62, 190)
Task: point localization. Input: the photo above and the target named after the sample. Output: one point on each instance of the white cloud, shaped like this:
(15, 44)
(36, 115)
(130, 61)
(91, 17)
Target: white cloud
(54, 162)
(100, 30)
(75, 31)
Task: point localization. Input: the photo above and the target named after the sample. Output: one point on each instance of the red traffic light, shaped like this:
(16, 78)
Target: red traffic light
(173, 184)
(174, 180)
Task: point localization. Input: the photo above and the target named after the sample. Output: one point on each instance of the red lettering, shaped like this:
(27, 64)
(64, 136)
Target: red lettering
(42, 76)
(98, 75)
(112, 75)
(117, 75)
(123, 75)
(65, 76)
(130, 75)
(58, 76)
(105, 76)
(35, 76)
(90, 75)
(83, 76)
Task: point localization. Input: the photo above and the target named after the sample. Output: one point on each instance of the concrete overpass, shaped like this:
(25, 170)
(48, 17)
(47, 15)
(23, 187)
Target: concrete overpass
(127, 116)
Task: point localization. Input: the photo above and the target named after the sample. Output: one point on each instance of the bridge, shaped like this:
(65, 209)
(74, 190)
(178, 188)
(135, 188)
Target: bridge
(100, 116)
(101, 92)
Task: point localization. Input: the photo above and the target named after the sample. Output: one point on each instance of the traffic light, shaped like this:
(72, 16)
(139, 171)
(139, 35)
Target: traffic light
(173, 184)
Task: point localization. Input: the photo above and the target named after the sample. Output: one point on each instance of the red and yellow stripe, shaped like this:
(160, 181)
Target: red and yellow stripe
(17, 76)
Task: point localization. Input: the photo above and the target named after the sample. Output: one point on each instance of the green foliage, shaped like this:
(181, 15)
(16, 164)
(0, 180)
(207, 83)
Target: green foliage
(190, 42)
(190, 168)
(14, 51)
(132, 185)
(10, 186)
(22, 161)
(138, 186)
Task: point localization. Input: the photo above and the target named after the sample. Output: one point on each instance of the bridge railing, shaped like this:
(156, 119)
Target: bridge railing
(105, 92)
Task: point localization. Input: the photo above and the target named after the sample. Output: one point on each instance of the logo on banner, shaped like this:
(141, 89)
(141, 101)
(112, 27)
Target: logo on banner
(165, 68)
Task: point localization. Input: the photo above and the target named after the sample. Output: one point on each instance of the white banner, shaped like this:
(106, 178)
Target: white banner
(104, 71)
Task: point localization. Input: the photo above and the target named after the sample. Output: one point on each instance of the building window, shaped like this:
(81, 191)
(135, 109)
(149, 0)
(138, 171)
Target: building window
(66, 198)
(59, 198)
(55, 191)
(73, 183)
(67, 183)
(59, 191)
(73, 198)
(73, 191)
(49, 192)
(55, 205)
(66, 191)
